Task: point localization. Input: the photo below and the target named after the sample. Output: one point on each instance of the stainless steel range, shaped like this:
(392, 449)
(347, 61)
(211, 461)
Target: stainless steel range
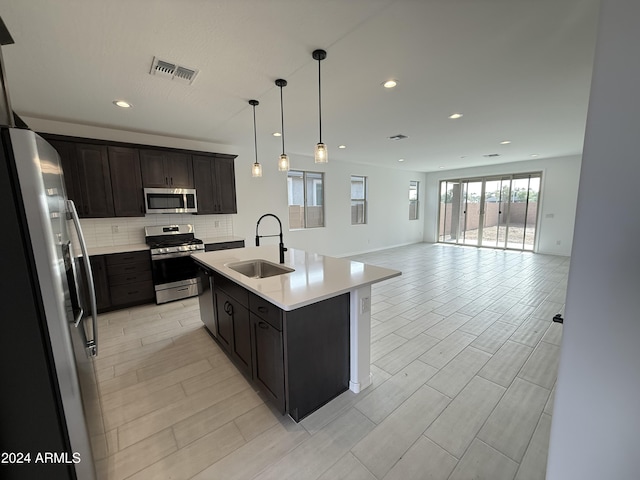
(175, 274)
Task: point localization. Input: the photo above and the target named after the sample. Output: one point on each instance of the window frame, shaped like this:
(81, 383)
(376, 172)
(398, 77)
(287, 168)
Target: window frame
(305, 193)
(414, 204)
(363, 199)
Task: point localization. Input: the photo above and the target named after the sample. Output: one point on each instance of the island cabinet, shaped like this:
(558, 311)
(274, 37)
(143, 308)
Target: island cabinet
(215, 183)
(299, 359)
(165, 169)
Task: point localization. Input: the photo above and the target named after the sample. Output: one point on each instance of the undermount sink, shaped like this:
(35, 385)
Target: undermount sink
(259, 268)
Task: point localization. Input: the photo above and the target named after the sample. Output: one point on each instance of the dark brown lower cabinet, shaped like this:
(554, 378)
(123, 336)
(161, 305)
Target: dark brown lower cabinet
(268, 360)
(234, 328)
(298, 358)
(100, 282)
(122, 280)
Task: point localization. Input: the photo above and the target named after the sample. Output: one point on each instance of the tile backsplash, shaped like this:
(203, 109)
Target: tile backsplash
(106, 232)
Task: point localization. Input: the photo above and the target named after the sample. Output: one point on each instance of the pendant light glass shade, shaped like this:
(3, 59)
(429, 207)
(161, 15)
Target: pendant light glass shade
(320, 154)
(256, 168)
(283, 161)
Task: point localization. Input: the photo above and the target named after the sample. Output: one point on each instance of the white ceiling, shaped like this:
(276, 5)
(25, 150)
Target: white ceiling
(518, 70)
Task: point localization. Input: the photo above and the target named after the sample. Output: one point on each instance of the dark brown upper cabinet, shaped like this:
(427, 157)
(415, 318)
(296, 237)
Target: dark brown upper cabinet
(92, 163)
(67, 152)
(215, 184)
(126, 182)
(161, 169)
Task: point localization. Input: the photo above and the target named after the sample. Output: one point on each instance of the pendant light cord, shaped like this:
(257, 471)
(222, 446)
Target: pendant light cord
(255, 134)
(282, 119)
(320, 100)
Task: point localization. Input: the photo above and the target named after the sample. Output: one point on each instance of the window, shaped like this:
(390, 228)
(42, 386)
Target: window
(358, 200)
(413, 199)
(306, 199)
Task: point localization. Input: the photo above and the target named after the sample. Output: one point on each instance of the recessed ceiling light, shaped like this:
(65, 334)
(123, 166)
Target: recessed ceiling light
(277, 134)
(342, 146)
(401, 159)
(390, 84)
(505, 142)
(122, 104)
(440, 167)
(455, 116)
(535, 155)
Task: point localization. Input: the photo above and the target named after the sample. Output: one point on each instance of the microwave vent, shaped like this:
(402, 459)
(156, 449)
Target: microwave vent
(173, 71)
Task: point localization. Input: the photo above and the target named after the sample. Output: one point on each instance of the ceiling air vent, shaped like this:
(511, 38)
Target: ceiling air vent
(172, 71)
(398, 137)
(490, 155)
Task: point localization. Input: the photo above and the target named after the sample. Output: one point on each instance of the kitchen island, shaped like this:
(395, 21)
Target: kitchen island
(315, 320)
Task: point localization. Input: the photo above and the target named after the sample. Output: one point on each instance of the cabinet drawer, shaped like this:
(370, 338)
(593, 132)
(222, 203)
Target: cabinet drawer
(232, 289)
(265, 310)
(132, 293)
(129, 257)
(128, 268)
(133, 277)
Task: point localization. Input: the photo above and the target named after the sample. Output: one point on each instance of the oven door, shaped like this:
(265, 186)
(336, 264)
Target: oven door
(175, 276)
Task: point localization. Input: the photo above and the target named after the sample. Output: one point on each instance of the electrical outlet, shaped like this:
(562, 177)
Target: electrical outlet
(115, 229)
(365, 305)
(558, 242)
(216, 224)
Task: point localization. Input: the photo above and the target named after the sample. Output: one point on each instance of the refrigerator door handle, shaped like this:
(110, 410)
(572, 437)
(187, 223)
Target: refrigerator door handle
(91, 344)
(78, 319)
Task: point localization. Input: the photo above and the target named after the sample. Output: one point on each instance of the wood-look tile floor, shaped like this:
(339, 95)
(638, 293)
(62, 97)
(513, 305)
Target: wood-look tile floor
(464, 358)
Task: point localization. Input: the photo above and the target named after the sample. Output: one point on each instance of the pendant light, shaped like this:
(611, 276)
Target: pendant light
(256, 168)
(283, 162)
(320, 154)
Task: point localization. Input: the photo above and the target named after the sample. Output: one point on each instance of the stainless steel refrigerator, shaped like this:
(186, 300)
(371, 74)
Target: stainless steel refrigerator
(51, 423)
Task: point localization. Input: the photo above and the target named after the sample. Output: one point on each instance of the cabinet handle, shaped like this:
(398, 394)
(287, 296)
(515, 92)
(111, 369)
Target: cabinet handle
(171, 178)
(166, 180)
(228, 308)
(131, 278)
(263, 325)
(129, 268)
(133, 293)
(263, 309)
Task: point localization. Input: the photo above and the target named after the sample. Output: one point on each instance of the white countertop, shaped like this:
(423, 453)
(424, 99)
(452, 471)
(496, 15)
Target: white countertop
(143, 246)
(316, 277)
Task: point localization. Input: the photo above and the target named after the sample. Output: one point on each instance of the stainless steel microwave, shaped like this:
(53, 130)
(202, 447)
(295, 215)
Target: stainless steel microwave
(170, 200)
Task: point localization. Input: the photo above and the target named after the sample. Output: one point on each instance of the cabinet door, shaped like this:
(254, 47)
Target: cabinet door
(241, 346)
(67, 152)
(100, 282)
(203, 180)
(179, 170)
(126, 182)
(268, 360)
(225, 185)
(224, 326)
(95, 180)
(153, 171)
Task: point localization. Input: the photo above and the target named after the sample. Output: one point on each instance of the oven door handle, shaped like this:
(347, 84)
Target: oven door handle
(164, 256)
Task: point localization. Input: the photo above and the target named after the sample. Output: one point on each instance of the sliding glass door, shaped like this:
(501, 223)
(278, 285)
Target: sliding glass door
(497, 212)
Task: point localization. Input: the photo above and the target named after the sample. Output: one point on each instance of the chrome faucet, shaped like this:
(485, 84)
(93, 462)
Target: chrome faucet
(258, 237)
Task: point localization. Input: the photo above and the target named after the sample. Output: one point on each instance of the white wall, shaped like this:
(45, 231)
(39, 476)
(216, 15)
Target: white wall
(388, 206)
(595, 430)
(388, 224)
(557, 208)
